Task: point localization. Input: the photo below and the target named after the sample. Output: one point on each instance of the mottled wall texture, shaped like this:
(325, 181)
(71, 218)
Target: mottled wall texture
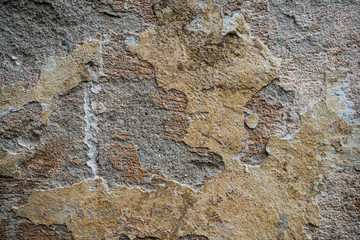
(180, 119)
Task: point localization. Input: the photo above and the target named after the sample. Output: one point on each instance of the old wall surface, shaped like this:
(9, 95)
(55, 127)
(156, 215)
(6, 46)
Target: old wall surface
(180, 119)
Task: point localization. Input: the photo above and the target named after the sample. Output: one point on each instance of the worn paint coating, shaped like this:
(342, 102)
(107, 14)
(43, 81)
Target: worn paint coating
(276, 198)
(218, 67)
(58, 76)
(209, 57)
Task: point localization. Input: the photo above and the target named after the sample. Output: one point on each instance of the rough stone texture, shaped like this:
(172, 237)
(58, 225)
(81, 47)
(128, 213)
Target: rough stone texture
(213, 61)
(339, 202)
(266, 115)
(213, 211)
(32, 31)
(310, 38)
(189, 120)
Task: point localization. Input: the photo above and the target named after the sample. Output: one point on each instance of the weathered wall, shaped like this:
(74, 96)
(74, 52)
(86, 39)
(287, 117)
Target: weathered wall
(180, 119)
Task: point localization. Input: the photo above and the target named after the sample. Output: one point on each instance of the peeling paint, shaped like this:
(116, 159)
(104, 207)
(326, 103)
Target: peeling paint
(217, 70)
(186, 130)
(54, 80)
(277, 198)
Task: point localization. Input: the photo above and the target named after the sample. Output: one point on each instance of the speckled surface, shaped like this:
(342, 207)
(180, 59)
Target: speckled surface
(179, 119)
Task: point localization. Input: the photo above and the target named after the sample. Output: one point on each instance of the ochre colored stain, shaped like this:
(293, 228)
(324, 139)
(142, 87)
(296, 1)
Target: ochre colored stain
(57, 77)
(8, 164)
(277, 199)
(218, 73)
(217, 67)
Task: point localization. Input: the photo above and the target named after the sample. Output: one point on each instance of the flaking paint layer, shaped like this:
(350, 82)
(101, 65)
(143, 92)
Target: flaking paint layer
(58, 76)
(218, 66)
(274, 200)
(213, 67)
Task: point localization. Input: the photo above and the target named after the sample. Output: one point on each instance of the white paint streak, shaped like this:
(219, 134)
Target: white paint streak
(50, 64)
(197, 24)
(230, 23)
(131, 40)
(91, 130)
(91, 120)
(95, 89)
(310, 106)
(345, 111)
(202, 5)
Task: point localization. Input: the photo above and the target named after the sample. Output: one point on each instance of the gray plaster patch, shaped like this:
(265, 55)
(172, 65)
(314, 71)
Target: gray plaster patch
(18, 128)
(274, 94)
(339, 202)
(283, 222)
(131, 39)
(196, 24)
(311, 37)
(32, 31)
(138, 116)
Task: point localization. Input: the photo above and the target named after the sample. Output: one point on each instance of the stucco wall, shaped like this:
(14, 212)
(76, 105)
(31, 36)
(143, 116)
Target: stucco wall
(180, 119)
